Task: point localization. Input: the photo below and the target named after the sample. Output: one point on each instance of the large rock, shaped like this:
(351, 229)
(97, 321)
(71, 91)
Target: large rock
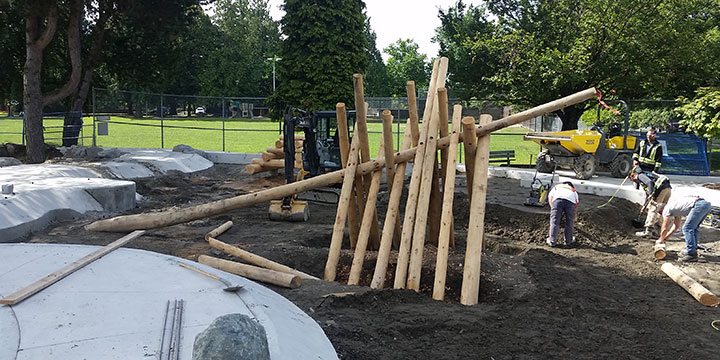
(9, 161)
(232, 337)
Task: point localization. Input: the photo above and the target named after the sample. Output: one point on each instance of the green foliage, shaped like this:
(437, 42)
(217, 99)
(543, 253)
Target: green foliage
(655, 118)
(701, 115)
(406, 63)
(324, 46)
(376, 80)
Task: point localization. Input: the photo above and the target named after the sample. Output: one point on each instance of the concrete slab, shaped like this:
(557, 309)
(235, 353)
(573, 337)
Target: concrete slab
(114, 308)
(223, 157)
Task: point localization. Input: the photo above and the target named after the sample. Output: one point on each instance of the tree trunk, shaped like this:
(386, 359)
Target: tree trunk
(570, 117)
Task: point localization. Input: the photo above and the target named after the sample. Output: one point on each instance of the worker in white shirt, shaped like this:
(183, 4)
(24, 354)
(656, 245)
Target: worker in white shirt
(563, 201)
(696, 209)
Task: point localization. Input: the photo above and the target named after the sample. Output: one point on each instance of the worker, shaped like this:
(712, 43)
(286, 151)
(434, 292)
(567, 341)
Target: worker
(696, 209)
(563, 201)
(648, 155)
(657, 193)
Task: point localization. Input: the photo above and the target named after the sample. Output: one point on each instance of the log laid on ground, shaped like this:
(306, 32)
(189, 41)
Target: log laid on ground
(267, 156)
(362, 243)
(178, 216)
(391, 217)
(253, 272)
(255, 168)
(447, 214)
(470, 144)
(476, 225)
(256, 259)
(219, 230)
(699, 292)
(298, 144)
(344, 140)
(342, 210)
(423, 204)
(413, 189)
(35, 287)
(659, 251)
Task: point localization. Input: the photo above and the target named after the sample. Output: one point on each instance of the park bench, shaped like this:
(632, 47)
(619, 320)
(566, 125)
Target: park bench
(502, 156)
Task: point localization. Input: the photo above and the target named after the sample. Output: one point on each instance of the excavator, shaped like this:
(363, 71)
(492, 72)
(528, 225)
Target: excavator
(320, 154)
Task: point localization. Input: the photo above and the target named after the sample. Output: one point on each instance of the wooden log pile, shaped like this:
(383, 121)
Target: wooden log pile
(273, 157)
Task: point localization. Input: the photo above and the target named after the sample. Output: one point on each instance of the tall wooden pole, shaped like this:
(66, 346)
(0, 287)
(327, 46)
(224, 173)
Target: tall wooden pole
(413, 111)
(362, 244)
(362, 132)
(476, 226)
(470, 144)
(344, 140)
(391, 217)
(447, 214)
(414, 187)
(177, 216)
(342, 209)
(389, 152)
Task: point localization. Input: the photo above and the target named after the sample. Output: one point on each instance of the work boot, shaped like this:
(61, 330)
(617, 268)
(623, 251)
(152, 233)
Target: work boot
(550, 242)
(645, 233)
(689, 258)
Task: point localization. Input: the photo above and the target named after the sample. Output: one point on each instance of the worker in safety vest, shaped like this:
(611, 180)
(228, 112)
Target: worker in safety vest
(648, 155)
(657, 193)
(563, 200)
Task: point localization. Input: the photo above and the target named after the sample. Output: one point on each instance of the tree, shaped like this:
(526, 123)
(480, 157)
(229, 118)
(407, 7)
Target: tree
(376, 80)
(406, 63)
(701, 115)
(324, 46)
(547, 49)
(12, 48)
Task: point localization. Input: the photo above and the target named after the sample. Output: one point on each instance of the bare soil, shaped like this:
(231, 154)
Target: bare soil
(605, 298)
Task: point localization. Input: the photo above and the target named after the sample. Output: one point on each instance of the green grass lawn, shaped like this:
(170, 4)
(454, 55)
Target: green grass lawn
(240, 135)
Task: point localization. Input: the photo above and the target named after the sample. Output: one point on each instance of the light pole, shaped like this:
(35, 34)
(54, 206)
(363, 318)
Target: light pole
(274, 58)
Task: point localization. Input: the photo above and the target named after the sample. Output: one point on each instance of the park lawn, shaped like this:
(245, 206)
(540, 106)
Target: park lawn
(241, 135)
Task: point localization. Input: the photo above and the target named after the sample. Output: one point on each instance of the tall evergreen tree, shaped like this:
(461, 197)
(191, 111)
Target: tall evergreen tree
(324, 46)
(376, 80)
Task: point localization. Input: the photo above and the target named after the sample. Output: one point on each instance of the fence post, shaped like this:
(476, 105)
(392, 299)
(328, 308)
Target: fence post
(94, 141)
(162, 124)
(223, 123)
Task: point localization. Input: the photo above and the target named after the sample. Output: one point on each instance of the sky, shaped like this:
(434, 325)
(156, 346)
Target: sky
(400, 19)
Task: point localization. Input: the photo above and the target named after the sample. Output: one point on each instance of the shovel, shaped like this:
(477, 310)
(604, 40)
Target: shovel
(640, 222)
(228, 287)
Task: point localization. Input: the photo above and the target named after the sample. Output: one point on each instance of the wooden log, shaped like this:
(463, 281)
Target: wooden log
(365, 227)
(435, 209)
(391, 217)
(699, 292)
(252, 272)
(470, 145)
(297, 137)
(413, 112)
(443, 126)
(342, 210)
(43, 283)
(362, 132)
(267, 156)
(476, 225)
(414, 187)
(255, 168)
(659, 251)
(276, 151)
(447, 214)
(344, 141)
(389, 151)
(219, 230)
(256, 259)
(182, 215)
(423, 205)
(298, 144)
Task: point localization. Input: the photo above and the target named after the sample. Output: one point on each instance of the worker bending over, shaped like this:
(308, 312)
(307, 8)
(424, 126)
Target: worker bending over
(563, 201)
(657, 193)
(696, 209)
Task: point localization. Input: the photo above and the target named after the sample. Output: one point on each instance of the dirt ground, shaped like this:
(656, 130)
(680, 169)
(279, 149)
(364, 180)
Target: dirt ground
(605, 298)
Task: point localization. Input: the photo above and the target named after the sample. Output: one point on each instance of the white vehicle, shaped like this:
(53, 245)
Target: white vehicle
(200, 110)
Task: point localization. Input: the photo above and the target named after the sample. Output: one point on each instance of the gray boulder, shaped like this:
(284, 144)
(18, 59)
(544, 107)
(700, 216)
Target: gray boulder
(9, 161)
(232, 337)
(187, 149)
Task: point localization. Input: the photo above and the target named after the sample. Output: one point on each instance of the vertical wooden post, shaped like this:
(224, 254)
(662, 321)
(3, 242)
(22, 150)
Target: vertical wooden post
(476, 227)
(435, 194)
(389, 153)
(362, 131)
(470, 144)
(412, 110)
(342, 210)
(413, 188)
(447, 214)
(391, 216)
(344, 140)
(361, 246)
(421, 215)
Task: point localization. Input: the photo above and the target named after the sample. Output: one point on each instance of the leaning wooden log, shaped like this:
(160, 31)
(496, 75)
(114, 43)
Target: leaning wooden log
(476, 225)
(423, 205)
(412, 111)
(435, 209)
(219, 230)
(363, 239)
(252, 272)
(414, 187)
(391, 217)
(447, 214)
(699, 292)
(344, 141)
(389, 153)
(182, 215)
(362, 133)
(470, 144)
(342, 210)
(256, 259)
